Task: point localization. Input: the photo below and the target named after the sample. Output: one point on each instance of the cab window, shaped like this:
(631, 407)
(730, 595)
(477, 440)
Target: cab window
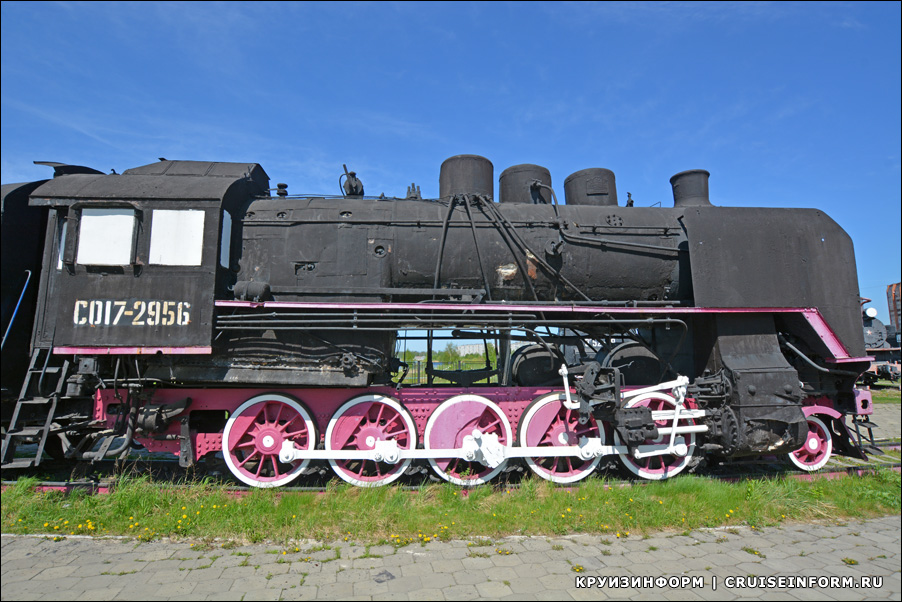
(176, 237)
(106, 236)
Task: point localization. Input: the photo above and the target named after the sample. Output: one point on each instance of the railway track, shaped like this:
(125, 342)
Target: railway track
(102, 476)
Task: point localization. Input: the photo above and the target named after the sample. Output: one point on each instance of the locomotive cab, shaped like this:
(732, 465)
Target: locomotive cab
(134, 261)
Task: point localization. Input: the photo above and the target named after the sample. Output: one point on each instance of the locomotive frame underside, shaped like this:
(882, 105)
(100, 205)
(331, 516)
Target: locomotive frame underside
(560, 420)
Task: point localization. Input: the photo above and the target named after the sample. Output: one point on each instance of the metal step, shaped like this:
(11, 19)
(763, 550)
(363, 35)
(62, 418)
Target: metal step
(28, 431)
(18, 463)
(36, 401)
(867, 424)
(873, 450)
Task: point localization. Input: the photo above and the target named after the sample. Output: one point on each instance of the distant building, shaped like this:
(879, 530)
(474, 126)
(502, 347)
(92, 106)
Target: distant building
(479, 348)
(893, 294)
(471, 349)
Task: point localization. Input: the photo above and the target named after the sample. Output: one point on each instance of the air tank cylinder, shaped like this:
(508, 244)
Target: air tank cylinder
(515, 185)
(594, 186)
(466, 174)
(690, 188)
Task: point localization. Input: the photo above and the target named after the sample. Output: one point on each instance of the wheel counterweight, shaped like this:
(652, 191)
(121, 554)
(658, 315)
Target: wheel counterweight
(457, 418)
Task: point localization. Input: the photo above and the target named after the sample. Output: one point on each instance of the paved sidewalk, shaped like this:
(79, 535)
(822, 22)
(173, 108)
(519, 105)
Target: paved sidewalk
(889, 419)
(535, 568)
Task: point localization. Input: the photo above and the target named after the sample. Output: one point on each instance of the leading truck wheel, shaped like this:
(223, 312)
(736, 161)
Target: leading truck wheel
(358, 425)
(547, 423)
(658, 468)
(817, 449)
(254, 435)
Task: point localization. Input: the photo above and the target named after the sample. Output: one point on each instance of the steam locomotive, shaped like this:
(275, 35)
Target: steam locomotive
(182, 307)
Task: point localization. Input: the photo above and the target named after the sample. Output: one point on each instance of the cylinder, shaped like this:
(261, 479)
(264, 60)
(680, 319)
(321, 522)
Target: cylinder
(466, 174)
(515, 185)
(690, 188)
(594, 186)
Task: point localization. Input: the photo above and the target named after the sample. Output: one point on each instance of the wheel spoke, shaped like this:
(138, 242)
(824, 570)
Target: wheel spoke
(243, 462)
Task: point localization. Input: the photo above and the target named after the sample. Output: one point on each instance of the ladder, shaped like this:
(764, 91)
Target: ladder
(868, 445)
(34, 413)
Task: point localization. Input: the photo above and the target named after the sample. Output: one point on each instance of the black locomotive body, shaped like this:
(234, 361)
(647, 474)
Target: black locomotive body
(182, 307)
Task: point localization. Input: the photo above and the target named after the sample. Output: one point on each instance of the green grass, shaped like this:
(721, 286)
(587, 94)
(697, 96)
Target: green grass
(890, 394)
(397, 517)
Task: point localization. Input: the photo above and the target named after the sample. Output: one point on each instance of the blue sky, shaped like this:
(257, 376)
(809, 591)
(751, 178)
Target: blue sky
(786, 104)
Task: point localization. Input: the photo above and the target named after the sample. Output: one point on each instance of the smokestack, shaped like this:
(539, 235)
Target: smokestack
(690, 188)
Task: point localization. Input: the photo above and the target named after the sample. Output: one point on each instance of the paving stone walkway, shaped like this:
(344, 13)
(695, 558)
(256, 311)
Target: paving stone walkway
(889, 419)
(533, 568)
